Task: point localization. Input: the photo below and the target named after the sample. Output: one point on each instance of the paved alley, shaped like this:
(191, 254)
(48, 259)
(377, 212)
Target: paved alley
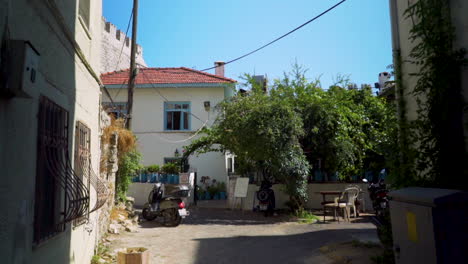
(212, 235)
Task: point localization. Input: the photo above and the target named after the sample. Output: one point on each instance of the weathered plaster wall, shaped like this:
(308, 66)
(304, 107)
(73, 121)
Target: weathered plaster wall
(64, 78)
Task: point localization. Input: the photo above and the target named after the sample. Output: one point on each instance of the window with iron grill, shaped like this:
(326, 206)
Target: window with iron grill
(60, 195)
(82, 162)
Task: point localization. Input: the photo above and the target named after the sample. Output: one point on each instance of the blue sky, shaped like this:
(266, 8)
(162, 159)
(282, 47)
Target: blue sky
(352, 39)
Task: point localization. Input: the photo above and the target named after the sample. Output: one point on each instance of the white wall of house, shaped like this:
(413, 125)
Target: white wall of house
(64, 78)
(313, 193)
(155, 143)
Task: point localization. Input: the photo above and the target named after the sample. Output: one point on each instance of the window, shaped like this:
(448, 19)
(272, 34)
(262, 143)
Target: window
(84, 12)
(177, 116)
(82, 164)
(52, 127)
(60, 195)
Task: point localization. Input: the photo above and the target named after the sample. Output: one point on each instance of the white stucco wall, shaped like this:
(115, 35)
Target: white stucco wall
(148, 124)
(314, 197)
(63, 78)
(140, 192)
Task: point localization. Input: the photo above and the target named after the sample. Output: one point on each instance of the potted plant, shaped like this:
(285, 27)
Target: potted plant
(222, 190)
(153, 170)
(213, 191)
(171, 170)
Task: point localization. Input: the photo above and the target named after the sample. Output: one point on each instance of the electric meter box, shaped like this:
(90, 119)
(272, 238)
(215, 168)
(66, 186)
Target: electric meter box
(21, 69)
(429, 225)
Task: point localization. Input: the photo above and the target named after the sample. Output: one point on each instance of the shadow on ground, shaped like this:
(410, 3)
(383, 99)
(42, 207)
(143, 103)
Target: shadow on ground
(218, 216)
(291, 249)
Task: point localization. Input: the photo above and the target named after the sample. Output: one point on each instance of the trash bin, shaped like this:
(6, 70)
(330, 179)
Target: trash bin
(429, 225)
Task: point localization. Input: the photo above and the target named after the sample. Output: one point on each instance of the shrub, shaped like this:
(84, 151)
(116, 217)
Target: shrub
(153, 168)
(170, 168)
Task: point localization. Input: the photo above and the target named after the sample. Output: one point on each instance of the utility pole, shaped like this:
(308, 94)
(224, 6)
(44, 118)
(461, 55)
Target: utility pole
(133, 69)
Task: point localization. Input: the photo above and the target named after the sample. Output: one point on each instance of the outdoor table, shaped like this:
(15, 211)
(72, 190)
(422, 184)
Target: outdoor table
(325, 193)
(332, 193)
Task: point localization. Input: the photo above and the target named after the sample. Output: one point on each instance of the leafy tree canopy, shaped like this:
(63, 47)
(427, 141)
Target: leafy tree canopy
(283, 132)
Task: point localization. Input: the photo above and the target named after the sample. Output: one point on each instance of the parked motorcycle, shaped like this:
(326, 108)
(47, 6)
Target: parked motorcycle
(378, 194)
(266, 199)
(170, 208)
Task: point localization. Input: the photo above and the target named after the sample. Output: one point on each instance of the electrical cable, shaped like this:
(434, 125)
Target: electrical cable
(275, 40)
(165, 98)
(121, 51)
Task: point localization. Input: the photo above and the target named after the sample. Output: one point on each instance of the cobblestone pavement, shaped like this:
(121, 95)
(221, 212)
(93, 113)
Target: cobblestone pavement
(212, 235)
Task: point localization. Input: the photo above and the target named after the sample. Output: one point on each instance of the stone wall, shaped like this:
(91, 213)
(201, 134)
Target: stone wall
(109, 162)
(113, 42)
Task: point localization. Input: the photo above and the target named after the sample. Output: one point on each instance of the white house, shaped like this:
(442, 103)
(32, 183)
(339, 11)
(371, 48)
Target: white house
(49, 129)
(170, 106)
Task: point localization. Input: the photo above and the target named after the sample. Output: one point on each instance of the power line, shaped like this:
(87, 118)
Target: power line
(121, 51)
(162, 96)
(275, 40)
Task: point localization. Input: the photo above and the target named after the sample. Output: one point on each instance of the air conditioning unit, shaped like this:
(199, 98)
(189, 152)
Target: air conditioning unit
(19, 69)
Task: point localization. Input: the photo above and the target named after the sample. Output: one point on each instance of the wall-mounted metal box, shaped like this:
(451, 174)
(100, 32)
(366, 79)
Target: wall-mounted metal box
(20, 69)
(429, 225)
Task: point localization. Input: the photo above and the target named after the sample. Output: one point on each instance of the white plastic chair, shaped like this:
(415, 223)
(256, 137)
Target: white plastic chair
(345, 202)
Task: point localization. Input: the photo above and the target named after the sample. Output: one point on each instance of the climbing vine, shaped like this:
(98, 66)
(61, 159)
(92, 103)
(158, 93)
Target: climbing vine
(438, 129)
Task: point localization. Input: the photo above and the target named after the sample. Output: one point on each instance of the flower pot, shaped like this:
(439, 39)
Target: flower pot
(133, 256)
(222, 195)
(163, 178)
(201, 196)
(143, 177)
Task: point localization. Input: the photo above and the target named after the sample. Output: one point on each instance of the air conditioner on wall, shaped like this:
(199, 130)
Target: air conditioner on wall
(19, 69)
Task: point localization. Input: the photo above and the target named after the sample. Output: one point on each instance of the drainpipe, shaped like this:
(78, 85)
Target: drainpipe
(394, 24)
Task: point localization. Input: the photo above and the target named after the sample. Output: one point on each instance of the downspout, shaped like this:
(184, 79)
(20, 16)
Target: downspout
(395, 26)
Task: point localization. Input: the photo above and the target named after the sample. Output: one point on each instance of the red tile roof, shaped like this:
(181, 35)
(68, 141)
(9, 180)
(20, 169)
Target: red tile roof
(164, 76)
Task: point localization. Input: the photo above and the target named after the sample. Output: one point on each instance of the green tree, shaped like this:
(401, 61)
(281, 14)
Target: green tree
(129, 165)
(264, 135)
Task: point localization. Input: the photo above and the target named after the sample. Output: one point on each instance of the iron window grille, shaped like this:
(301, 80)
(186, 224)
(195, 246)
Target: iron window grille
(60, 195)
(84, 168)
(82, 158)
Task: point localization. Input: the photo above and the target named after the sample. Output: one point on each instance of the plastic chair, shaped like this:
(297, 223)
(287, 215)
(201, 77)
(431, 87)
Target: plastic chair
(344, 202)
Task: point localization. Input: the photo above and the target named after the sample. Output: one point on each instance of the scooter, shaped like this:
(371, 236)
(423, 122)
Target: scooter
(170, 208)
(266, 199)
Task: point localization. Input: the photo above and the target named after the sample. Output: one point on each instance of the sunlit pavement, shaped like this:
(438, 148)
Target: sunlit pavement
(212, 235)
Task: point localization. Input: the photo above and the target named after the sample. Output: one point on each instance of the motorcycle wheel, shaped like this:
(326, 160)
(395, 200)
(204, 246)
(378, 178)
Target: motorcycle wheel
(147, 215)
(171, 217)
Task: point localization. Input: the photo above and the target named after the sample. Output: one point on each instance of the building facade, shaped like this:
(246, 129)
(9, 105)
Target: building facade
(170, 107)
(49, 130)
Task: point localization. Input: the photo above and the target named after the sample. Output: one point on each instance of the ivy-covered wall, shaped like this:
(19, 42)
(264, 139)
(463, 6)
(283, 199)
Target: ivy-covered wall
(429, 38)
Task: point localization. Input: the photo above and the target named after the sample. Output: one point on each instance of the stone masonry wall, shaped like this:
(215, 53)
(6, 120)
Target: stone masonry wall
(110, 163)
(112, 41)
